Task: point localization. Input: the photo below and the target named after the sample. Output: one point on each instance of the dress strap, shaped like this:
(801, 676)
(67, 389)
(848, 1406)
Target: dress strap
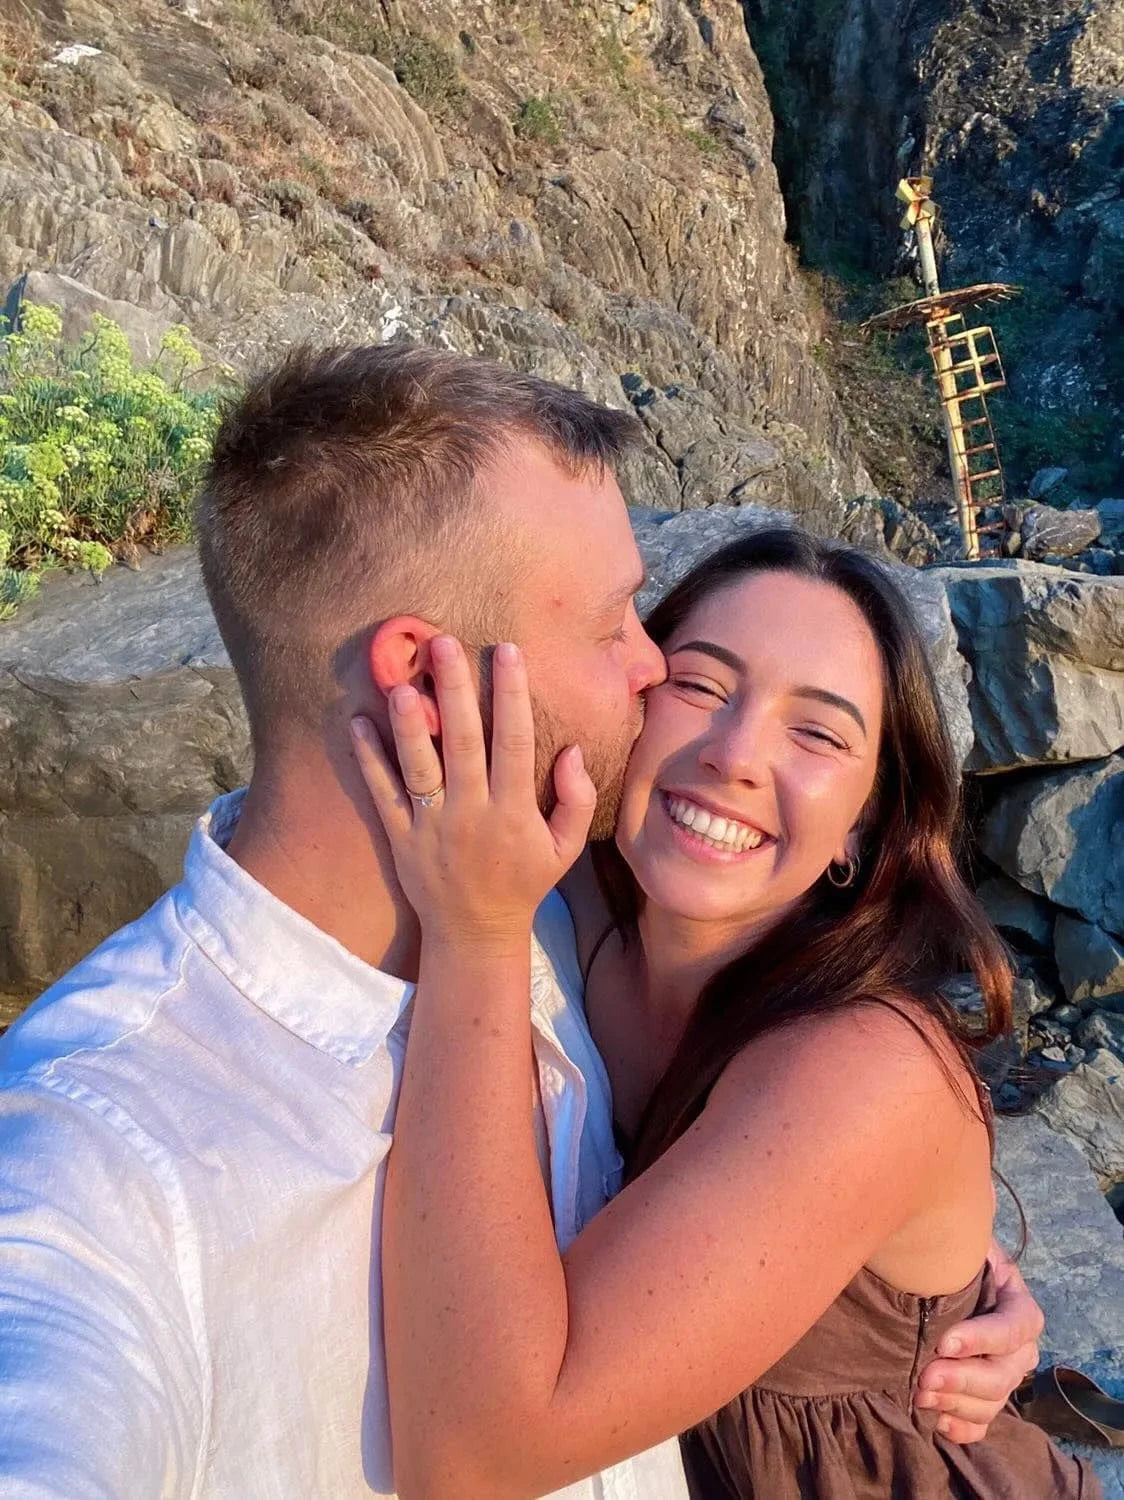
(594, 951)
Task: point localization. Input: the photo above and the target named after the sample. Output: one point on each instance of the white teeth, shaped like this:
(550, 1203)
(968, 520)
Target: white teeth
(720, 833)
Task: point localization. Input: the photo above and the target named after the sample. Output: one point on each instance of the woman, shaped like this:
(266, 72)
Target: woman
(810, 1199)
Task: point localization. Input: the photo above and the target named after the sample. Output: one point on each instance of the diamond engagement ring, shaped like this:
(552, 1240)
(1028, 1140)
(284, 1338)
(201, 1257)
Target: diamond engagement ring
(427, 799)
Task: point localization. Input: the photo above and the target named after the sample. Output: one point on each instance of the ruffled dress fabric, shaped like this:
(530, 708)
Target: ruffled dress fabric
(834, 1420)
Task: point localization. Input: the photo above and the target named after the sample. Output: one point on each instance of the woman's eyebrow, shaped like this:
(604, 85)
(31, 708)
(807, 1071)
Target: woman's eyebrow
(711, 648)
(821, 695)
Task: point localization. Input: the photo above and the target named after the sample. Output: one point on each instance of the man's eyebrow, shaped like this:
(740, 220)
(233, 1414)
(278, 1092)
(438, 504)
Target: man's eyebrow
(735, 663)
(623, 595)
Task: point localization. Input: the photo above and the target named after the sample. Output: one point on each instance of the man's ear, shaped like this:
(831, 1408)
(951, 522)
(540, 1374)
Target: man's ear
(399, 655)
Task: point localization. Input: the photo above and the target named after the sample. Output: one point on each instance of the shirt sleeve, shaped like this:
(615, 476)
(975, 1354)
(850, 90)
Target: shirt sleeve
(102, 1389)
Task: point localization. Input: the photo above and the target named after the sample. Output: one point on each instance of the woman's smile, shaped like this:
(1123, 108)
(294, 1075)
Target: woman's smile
(704, 833)
(758, 753)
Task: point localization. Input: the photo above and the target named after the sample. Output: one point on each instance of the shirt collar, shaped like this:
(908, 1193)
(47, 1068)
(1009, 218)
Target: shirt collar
(284, 964)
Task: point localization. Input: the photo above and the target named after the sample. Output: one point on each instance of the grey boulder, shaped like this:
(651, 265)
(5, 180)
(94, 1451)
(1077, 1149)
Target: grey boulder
(1014, 909)
(1047, 532)
(1111, 513)
(1045, 480)
(1073, 1262)
(1061, 835)
(1087, 1105)
(120, 720)
(1090, 963)
(1046, 648)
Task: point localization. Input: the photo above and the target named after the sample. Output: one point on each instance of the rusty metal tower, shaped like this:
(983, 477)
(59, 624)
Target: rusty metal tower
(966, 361)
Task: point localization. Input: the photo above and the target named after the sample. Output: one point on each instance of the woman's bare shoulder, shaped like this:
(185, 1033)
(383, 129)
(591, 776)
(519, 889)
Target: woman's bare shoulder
(891, 1051)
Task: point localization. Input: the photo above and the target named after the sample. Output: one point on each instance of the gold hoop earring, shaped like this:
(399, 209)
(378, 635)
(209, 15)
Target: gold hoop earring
(850, 870)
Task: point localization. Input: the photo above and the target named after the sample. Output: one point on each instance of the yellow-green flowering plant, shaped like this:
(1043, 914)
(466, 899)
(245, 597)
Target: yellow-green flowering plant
(96, 456)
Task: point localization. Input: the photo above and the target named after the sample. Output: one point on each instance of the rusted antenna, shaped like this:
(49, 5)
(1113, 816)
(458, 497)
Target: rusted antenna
(965, 359)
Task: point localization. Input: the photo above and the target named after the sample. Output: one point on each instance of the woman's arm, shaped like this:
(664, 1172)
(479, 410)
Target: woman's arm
(514, 1371)
(537, 1369)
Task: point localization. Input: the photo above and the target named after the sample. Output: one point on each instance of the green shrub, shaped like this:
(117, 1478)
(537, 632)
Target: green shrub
(704, 143)
(427, 72)
(289, 195)
(536, 121)
(96, 456)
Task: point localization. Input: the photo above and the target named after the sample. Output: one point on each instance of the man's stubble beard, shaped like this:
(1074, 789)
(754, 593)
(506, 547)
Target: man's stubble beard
(606, 764)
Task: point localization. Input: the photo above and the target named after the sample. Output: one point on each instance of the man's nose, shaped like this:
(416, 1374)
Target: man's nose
(648, 666)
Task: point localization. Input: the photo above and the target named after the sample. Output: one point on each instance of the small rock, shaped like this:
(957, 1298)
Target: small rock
(1066, 1015)
(1007, 1098)
(1102, 1029)
(1054, 1054)
(1036, 986)
(1074, 1054)
(1044, 481)
(75, 53)
(1058, 533)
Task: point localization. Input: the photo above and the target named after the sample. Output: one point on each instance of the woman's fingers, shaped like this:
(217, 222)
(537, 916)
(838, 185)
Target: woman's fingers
(576, 800)
(462, 731)
(392, 803)
(417, 754)
(513, 730)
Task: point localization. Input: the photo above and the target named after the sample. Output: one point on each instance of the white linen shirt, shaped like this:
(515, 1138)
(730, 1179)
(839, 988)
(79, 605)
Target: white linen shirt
(193, 1132)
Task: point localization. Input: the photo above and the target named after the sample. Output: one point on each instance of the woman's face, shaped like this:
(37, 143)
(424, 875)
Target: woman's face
(758, 753)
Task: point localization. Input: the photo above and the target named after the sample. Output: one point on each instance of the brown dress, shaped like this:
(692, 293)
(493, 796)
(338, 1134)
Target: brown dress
(833, 1419)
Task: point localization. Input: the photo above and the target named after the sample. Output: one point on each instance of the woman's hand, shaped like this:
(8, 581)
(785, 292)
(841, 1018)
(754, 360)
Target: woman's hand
(474, 854)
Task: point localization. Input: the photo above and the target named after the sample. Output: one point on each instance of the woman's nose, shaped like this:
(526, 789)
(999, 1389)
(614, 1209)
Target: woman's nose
(737, 751)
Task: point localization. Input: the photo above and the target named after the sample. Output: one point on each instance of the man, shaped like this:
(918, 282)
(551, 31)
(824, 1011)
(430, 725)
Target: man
(194, 1122)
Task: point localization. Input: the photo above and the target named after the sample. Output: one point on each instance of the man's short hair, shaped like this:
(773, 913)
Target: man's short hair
(342, 491)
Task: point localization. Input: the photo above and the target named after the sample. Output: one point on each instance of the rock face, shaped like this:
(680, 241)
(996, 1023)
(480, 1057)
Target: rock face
(1088, 1106)
(1046, 649)
(120, 720)
(599, 207)
(1073, 1263)
(1062, 835)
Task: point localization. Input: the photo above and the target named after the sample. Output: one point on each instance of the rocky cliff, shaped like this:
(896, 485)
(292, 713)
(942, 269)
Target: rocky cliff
(584, 190)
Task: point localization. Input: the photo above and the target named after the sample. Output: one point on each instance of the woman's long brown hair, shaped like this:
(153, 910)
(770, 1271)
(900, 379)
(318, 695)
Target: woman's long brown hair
(906, 924)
